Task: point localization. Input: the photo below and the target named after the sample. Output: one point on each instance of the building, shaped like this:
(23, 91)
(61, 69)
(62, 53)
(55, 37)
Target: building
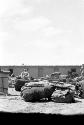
(41, 71)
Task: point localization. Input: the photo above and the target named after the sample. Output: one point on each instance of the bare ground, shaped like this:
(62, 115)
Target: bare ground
(15, 104)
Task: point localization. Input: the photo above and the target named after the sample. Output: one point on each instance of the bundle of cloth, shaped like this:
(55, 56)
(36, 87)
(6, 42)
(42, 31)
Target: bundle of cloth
(34, 93)
(64, 94)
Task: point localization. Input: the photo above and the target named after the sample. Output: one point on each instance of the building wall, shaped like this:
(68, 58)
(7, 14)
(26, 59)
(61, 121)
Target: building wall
(56, 69)
(33, 71)
(47, 70)
(41, 71)
(65, 69)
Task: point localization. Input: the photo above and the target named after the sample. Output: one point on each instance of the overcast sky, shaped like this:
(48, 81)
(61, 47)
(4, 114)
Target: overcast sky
(41, 32)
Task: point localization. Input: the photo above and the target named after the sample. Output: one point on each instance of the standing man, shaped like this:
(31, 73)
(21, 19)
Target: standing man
(25, 74)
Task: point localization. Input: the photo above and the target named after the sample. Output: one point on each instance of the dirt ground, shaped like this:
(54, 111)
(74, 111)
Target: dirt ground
(15, 104)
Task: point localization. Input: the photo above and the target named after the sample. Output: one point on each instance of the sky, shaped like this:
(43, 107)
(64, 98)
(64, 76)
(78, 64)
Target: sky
(41, 32)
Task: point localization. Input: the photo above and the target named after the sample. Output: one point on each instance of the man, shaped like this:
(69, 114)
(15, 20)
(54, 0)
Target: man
(25, 74)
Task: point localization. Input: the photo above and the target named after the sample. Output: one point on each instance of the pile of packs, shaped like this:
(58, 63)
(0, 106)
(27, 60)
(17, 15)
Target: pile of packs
(54, 88)
(36, 91)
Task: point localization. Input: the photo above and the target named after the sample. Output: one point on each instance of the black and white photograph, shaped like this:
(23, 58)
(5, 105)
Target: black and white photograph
(42, 57)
